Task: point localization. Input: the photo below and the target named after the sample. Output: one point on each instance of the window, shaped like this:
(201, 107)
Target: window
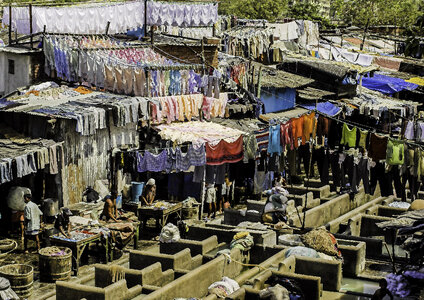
(11, 66)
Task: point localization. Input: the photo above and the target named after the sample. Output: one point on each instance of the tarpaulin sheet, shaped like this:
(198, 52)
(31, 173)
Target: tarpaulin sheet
(278, 99)
(386, 84)
(325, 107)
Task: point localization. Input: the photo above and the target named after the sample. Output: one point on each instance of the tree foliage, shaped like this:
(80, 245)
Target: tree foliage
(378, 12)
(253, 9)
(307, 11)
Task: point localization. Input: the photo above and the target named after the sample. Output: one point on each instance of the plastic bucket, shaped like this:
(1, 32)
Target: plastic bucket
(136, 190)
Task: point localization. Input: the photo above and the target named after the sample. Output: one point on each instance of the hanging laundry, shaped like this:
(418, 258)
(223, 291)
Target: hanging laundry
(81, 19)
(274, 142)
(286, 135)
(348, 136)
(224, 152)
(182, 15)
(195, 156)
(378, 147)
(151, 162)
(395, 154)
(297, 131)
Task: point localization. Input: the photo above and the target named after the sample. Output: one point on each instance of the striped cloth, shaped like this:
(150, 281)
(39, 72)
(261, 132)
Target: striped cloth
(262, 138)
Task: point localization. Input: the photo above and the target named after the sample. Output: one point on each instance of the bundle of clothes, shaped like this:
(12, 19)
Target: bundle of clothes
(317, 243)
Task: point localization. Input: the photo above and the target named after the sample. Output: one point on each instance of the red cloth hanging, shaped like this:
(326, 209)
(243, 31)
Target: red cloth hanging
(224, 152)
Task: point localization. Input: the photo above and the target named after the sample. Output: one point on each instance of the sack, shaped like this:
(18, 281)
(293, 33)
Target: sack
(15, 198)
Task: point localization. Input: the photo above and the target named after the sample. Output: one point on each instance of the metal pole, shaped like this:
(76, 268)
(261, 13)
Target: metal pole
(10, 24)
(145, 17)
(30, 25)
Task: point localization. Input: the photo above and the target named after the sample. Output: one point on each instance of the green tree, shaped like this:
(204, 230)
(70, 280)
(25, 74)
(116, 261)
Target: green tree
(379, 12)
(253, 9)
(307, 11)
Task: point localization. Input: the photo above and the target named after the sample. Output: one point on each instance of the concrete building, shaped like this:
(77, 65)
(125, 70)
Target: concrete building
(19, 67)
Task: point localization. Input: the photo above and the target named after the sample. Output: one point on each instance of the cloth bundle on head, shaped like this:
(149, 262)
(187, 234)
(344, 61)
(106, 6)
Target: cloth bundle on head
(151, 181)
(169, 234)
(321, 240)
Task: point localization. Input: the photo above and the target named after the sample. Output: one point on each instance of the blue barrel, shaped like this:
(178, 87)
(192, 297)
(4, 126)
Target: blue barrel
(136, 190)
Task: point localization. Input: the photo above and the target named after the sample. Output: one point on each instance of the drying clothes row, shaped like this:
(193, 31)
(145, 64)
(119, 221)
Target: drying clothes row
(175, 159)
(81, 19)
(181, 14)
(389, 161)
(185, 107)
(414, 130)
(112, 71)
(190, 32)
(247, 42)
(93, 18)
(171, 159)
(370, 104)
(237, 73)
(29, 163)
(293, 133)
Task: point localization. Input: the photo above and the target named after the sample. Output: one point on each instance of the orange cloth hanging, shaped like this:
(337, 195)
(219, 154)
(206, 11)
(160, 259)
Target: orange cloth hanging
(309, 127)
(297, 130)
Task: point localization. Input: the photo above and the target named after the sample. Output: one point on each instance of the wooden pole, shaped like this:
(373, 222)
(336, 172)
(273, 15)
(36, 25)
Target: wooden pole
(107, 27)
(258, 92)
(145, 18)
(30, 25)
(202, 195)
(365, 33)
(10, 24)
(252, 83)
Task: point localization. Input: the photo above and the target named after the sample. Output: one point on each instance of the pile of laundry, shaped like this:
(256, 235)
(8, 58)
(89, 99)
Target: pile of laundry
(317, 243)
(54, 251)
(408, 283)
(242, 240)
(224, 287)
(282, 289)
(169, 234)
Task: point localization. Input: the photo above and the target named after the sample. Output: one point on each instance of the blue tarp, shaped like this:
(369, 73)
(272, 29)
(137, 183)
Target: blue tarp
(325, 107)
(278, 99)
(387, 85)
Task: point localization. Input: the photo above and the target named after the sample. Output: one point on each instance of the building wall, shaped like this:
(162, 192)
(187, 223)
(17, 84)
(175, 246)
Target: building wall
(86, 158)
(10, 82)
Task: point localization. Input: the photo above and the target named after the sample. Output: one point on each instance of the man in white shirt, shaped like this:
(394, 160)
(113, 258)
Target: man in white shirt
(32, 216)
